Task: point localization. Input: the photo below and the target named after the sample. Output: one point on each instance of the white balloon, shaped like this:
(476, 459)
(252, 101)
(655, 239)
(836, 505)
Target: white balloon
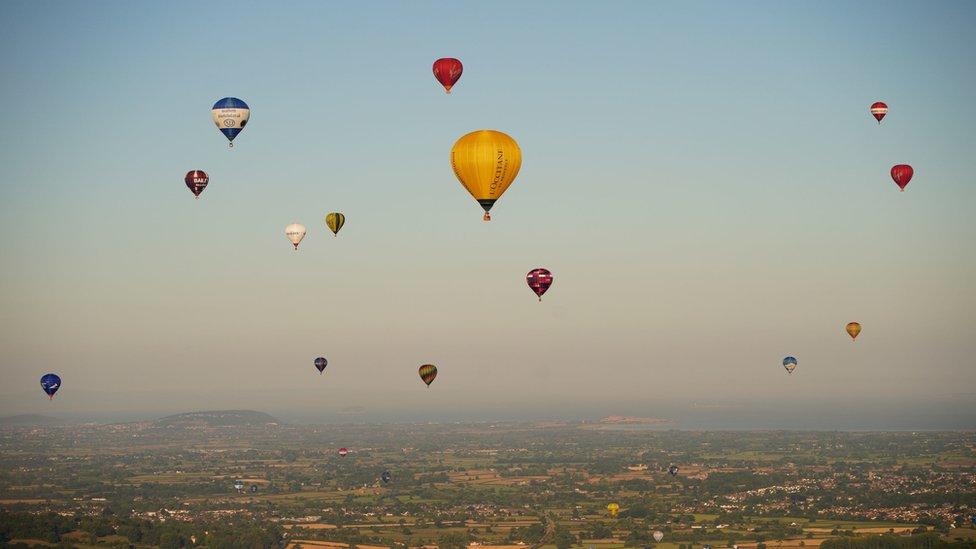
(295, 233)
(658, 535)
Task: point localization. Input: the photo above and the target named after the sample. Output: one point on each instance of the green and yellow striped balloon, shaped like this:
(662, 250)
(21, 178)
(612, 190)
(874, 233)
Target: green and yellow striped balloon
(427, 373)
(335, 221)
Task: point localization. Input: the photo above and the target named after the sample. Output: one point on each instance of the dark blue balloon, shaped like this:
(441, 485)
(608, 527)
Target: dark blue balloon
(50, 383)
(673, 470)
(386, 476)
(321, 363)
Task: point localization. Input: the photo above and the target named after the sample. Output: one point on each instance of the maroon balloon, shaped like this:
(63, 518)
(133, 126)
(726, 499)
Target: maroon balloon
(196, 181)
(879, 110)
(902, 174)
(447, 70)
(539, 280)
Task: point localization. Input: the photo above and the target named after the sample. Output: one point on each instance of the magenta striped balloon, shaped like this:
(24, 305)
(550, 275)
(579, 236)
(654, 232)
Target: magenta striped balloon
(539, 281)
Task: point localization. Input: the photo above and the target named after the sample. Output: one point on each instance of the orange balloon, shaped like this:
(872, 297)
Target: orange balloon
(853, 328)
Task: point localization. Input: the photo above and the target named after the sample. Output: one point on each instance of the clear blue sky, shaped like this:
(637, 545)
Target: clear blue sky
(703, 179)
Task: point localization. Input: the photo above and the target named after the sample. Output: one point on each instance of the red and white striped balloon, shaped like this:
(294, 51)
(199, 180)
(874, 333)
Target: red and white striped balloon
(879, 110)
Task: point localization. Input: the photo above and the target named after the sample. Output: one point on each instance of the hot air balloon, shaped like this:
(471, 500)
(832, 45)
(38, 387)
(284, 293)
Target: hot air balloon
(50, 383)
(231, 115)
(295, 233)
(427, 373)
(658, 535)
(386, 476)
(790, 364)
(539, 281)
(447, 71)
(196, 181)
(254, 488)
(879, 110)
(613, 508)
(902, 174)
(321, 363)
(334, 221)
(239, 484)
(853, 328)
(343, 452)
(673, 470)
(486, 162)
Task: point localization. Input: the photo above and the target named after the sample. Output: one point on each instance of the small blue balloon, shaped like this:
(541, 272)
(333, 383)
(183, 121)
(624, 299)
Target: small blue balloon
(50, 383)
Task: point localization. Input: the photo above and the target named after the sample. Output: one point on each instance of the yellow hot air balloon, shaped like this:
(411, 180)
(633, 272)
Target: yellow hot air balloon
(335, 221)
(486, 162)
(853, 328)
(613, 508)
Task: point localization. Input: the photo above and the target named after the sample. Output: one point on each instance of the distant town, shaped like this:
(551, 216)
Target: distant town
(247, 479)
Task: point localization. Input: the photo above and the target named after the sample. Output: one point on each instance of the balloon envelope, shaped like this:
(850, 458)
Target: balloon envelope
(658, 535)
(447, 71)
(789, 363)
(386, 476)
(539, 281)
(321, 363)
(295, 233)
(230, 114)
(486, 163)
(613, 508)
(50, 383)
(879, 110)
(673, 470)
(196, 181)
(343, 452)
(902, 174)
(427, 373)
(334, 221)
(853, 328)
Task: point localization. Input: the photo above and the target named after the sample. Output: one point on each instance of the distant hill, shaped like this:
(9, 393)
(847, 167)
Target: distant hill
(217, 418)
(630, 420)
(30, 419)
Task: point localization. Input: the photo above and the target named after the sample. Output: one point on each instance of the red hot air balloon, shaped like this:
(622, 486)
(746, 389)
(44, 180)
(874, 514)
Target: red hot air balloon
(539, 281)
(196, 181)
(343, 452)
(447, 71)
(902, 174)
(879, 110)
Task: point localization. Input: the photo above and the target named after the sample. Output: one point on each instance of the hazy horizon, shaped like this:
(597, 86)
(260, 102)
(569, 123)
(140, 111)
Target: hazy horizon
(703, 179)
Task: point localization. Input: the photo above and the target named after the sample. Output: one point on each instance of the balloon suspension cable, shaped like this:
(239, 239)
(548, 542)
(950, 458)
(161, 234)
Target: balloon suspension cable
(487, 216)
(197, 197)
(50, 397)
